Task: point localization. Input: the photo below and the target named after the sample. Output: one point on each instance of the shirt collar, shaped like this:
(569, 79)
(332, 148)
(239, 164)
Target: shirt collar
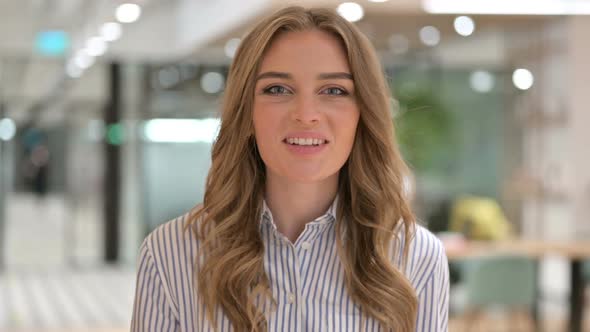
(327, 218)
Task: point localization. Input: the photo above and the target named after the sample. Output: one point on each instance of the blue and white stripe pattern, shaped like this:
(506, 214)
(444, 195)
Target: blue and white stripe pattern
(306, 278)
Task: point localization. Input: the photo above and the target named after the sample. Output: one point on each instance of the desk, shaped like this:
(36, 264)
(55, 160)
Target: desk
(575, 252)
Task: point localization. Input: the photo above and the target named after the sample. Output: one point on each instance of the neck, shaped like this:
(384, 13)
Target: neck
(294, 204)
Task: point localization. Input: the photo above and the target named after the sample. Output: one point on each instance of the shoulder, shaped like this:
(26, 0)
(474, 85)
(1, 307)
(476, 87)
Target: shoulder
(425, 246)
(168, 234)
(172, 245)
(426, 255)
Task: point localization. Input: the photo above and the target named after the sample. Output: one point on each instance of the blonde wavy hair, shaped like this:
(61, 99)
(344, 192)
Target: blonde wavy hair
(230, 270)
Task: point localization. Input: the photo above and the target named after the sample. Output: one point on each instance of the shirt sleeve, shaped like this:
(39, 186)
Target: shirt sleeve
(152, 311)
(433, 297)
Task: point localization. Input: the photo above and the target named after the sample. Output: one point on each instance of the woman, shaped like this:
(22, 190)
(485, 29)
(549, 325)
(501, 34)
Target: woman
(304, 224)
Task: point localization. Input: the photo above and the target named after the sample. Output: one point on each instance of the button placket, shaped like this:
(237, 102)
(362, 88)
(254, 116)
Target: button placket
(293, 270)
(295, 297)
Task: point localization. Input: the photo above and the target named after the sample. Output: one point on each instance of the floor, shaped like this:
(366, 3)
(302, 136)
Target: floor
(52, 277)
(66, 299)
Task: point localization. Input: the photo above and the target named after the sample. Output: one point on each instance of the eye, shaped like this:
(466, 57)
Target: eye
(335, 91)
(276, 90)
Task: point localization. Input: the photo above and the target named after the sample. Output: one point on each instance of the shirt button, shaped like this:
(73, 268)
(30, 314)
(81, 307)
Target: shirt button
(306, 245)
(291, 298)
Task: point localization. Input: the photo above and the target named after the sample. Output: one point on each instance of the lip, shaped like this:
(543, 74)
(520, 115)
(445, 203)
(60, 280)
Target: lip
(305, 150)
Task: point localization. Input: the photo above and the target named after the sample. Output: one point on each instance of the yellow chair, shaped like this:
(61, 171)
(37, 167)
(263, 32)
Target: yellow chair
(479, 218)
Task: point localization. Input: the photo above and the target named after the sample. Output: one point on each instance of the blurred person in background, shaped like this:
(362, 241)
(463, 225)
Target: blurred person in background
(305, 224)
(35, 163)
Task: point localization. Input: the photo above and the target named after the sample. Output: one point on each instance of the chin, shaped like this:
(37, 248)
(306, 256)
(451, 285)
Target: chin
(308, 177)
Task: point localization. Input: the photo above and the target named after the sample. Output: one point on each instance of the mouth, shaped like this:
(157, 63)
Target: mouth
(305, 142)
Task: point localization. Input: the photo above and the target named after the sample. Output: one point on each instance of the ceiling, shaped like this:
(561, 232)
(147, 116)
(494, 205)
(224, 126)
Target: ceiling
(195, 30)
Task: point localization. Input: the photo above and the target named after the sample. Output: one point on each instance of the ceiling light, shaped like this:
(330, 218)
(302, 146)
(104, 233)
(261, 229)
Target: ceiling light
(83, 60)
(111, 31)
(523, 79)
(430, 35)
(181, 130)
(351, 11)
(212, 82)
(508, 7)
(464, 25)
(128, 13)
(96, 46)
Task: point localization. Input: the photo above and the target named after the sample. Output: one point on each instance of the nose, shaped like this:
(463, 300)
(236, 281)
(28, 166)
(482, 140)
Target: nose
(305, 111)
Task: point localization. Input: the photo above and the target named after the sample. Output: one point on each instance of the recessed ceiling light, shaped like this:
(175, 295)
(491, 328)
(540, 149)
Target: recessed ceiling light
(351, 11)
(430, 35)
(128, 13)
(523, 79)
(464, 25)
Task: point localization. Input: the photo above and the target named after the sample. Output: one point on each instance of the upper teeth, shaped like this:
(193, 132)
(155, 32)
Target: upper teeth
(306, 141)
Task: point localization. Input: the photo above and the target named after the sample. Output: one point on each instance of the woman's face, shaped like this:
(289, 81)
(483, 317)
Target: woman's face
(305, 113)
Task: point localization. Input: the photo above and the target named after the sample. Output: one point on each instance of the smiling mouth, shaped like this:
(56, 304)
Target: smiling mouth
(305, 141)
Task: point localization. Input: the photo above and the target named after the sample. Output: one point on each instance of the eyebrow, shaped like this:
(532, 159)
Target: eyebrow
(287, 76)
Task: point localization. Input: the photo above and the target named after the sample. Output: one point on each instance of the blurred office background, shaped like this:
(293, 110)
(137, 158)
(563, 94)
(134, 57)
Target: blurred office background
(108, 110)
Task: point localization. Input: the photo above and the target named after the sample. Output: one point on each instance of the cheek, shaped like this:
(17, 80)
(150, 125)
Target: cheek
(349, 124)
(349, 128)
(258, 122)
(259, 117)
(265, 128)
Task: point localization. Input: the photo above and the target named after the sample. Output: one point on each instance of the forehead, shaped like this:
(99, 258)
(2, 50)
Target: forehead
(310, 50)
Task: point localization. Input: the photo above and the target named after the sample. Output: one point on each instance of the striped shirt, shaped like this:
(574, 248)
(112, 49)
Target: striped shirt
(306, 279)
